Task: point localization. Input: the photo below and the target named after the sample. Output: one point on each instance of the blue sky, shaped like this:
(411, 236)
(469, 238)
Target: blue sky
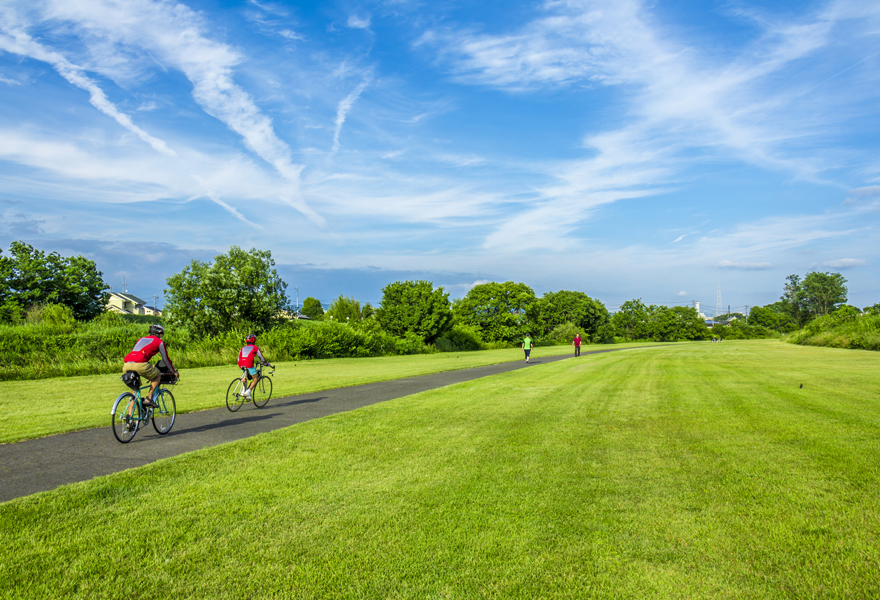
(626, 149)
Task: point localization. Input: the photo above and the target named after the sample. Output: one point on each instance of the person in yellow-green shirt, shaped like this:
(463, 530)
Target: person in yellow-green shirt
(527, 345)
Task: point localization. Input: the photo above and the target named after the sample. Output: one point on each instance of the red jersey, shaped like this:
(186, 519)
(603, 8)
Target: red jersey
(146, 348)
(248, 354)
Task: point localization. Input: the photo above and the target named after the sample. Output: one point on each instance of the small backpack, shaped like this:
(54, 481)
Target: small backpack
(131, 379)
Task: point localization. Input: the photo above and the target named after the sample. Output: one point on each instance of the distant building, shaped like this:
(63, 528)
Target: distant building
(128, 304)
(724, 322)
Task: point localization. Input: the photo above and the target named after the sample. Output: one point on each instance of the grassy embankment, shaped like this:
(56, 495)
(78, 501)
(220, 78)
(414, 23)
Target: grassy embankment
(841, 330)
(31, 409)
(683, 471)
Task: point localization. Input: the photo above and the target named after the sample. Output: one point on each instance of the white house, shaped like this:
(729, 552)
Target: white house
(128, 304)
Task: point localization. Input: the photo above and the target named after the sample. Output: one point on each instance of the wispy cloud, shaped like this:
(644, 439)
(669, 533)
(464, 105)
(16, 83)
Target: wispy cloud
(18, 42)
(462, 160)
(357, 22)
(686, 107)
(342, 112)
(176, 36)
(215, 198)
(844, 263)
(744, 266)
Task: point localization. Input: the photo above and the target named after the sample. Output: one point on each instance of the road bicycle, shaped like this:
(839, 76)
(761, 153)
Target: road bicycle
(129, 414)
(261, 393)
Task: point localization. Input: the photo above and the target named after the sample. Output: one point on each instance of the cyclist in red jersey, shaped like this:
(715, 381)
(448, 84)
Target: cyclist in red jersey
(138, 360)
(247, 356)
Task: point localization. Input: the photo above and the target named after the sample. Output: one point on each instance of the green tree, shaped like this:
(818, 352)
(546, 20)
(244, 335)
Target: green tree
(765, 317)
(662, 324)
(415, 307)
(238, 290)
(688, 324)
(823, 292)
(312, 308)
(631, 320)
(557, 308)
(29, 277)
(497, 310)
(794, 301)
(344, 310)
(785, 323)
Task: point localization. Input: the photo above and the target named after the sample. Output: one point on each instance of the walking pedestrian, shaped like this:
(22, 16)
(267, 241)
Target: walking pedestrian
(527, 345)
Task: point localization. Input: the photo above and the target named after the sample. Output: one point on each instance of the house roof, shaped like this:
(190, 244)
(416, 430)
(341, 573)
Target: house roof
(128, 297)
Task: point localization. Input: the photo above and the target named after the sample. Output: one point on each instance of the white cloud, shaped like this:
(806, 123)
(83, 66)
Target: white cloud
(844, 263)
(744, 266)
(872, 191)
(462, 160)
(356, 22)
(290, 34)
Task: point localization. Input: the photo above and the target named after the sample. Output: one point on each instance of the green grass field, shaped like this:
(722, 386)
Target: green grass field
(682, 471)
(30, 409)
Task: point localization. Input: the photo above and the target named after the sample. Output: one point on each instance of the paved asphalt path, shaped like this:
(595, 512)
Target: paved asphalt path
(45, 463)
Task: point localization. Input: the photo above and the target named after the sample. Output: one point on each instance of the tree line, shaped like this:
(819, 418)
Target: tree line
(241, 290)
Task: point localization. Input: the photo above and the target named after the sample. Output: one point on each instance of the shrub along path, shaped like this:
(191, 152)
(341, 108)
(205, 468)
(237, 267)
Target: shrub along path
(43, 464)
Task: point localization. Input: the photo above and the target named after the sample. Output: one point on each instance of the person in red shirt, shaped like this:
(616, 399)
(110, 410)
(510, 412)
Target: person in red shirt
(247, 357)
(138, 360)
(577, 344)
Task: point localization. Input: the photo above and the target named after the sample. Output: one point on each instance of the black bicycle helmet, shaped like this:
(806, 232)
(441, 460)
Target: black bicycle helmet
(157, 330)
(251, 339)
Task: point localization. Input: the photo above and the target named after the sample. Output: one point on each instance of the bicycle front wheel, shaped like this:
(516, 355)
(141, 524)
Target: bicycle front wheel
(234, 397)
(165, 413)
(263, 391)
(125, 417)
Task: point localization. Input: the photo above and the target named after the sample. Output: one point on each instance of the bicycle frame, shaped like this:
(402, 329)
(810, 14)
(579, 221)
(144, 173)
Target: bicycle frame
(258, 376)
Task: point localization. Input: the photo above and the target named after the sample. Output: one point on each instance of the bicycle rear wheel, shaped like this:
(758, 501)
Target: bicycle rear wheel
(234, 398)
(263, 391)
(125, 417)
(165, 413)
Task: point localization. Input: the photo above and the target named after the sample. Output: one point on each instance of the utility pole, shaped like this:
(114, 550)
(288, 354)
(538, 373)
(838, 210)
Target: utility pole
(297, 299)
(155, 303)
(123, 285)
(718, 303)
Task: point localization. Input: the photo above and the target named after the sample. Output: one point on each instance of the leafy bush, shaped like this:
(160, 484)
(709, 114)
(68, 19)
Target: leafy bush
(564, 334)
(55, 315)
(54, 348)
(844, 328)
(460, 338)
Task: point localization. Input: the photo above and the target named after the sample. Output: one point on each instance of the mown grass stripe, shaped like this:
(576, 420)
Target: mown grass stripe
(690, 471)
